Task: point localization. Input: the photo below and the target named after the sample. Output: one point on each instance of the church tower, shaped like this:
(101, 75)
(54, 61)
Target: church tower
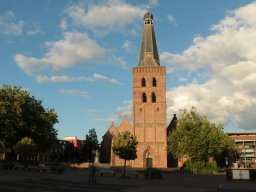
(149, 102)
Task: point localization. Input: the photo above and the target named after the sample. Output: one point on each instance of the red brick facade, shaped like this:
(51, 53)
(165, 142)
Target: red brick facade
(149, 116)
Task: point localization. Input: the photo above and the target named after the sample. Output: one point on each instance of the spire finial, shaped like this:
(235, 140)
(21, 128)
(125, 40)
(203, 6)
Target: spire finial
(148, 5)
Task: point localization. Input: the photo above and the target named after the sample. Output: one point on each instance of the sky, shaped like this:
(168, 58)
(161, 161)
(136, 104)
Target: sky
(77, 57)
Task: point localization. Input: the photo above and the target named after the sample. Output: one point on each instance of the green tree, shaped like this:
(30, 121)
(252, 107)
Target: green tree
(22, 115)
(69, 151)
(196, 137)
(125, 146)
(91, 143)
(25, 147)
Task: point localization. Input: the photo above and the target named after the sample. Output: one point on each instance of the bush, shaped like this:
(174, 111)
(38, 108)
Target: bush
(153, 173)
(212, 167)
(57, 168)
(202, 167)
(7, 165)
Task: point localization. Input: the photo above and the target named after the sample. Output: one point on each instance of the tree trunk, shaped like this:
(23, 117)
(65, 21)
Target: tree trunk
(4, 156)
(124, 168)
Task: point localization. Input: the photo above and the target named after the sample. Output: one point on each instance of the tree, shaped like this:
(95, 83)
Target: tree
(69, 151)
(125, 146)
(25, 147)
(91, 143)
(196, 137)
(22, 115)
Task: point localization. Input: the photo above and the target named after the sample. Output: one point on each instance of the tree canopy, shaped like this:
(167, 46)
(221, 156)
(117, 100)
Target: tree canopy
(125, 146)
(25, 146)
(196, 137)
(92, 138)
(22, 115)
(91, 143)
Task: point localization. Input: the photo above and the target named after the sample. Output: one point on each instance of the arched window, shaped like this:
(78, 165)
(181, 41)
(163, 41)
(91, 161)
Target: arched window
(143, 82)
(153, 97)
(144, 97)
(154, 82)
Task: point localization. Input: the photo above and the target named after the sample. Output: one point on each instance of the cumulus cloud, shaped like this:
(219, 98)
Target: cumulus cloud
(10, 25)
(105, 16)
(66, 78)
(73, 49)
(228, 58)
(75, 92)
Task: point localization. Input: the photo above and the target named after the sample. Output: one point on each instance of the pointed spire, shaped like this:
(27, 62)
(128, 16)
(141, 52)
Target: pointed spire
(148, 54)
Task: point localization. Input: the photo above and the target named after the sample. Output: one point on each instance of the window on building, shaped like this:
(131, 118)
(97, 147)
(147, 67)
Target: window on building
(144, 97)
(154, 82)
(153, 97)
(143, 82)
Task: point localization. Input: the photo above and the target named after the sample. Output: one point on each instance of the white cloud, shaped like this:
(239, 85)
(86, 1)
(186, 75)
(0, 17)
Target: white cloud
(182, 79)
(154, 2)
(76, 48)
(63, 24)
(65, 78)
(171, 19)
(93, 112)
(34, 30)
(73, 49)
(118, 60)
(10, 25)
(106, 16)
(30, 64)
(60, 78)
(75, 92)
(97, 76)
(228, 58)
(128, 46)
(121, 111)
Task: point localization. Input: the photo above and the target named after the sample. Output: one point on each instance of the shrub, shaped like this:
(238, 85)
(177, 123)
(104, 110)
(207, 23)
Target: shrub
(7, 165)
(57, 168)
(153, 173)
(202, 167)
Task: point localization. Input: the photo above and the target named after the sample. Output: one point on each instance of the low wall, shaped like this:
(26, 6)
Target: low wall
(241, 174)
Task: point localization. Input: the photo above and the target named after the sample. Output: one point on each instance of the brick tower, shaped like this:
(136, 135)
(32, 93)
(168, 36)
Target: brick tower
(149, 102)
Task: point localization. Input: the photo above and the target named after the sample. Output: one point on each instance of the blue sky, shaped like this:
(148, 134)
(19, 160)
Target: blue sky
(77, 57)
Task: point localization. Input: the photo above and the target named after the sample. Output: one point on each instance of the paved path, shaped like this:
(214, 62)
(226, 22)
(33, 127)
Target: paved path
(77, 181)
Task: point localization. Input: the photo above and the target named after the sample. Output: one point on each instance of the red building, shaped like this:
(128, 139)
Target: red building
(245, 148)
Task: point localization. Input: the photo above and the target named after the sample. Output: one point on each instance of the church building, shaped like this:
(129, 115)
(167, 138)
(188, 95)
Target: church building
(149, 108)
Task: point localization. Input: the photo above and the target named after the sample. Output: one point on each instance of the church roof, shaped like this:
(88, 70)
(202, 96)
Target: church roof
(112, 128)
(148, 54)
(125, 124)
(172, 126)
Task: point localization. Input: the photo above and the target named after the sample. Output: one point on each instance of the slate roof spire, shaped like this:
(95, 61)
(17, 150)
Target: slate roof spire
(148, 53)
